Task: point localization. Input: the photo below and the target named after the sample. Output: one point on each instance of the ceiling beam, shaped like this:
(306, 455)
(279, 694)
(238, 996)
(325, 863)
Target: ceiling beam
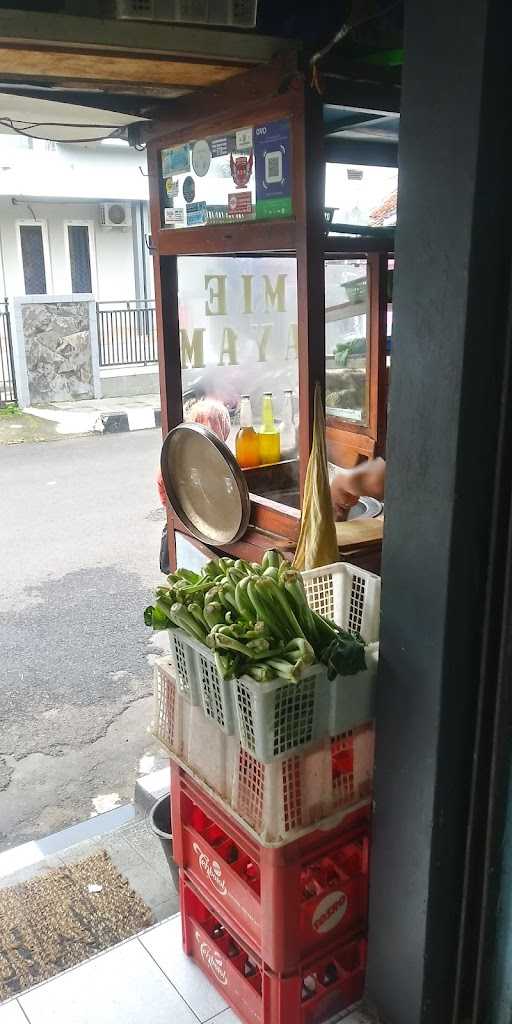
(351, 119)
(367, 96)
(197, 43)
(107, 68)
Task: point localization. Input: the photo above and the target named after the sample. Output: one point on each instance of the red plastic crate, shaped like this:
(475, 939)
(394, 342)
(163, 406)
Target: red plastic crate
(315, 888)
(315, 992)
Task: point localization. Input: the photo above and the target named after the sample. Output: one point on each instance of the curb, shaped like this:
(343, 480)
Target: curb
(131, 419)
(148, 788)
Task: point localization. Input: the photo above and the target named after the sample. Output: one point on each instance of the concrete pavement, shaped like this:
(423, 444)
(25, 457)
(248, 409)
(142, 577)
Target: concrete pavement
(80, 528)
(111, 415)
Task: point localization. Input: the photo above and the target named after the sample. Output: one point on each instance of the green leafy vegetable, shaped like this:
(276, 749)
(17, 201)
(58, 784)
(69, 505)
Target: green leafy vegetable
(256, 619)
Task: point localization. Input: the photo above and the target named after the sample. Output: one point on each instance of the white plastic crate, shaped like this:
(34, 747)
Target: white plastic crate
(184, 665)
(352, 698)
(199, 680)
(276, 801)
(277, 717)
(348, 595)
(166, 724)
(186, 733)
(282, 799)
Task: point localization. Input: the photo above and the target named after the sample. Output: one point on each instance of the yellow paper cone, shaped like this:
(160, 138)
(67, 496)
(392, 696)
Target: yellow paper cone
(317, 544)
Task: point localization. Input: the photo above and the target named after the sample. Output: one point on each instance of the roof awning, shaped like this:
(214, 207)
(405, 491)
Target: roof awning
(60, 122)
(136, 61)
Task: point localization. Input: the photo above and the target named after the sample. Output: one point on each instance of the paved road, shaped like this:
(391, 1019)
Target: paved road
(80, 528)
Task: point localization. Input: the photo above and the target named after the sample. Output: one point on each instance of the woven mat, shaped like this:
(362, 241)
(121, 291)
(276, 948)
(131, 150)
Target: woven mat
(54, 921)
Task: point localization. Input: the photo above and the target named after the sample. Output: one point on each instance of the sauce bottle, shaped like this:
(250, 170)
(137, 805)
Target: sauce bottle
(247, 446)
(269, 438)
(288, 428)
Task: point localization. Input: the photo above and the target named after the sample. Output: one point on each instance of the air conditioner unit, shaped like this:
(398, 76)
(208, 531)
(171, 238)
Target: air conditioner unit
(234, 13)
(115, 215)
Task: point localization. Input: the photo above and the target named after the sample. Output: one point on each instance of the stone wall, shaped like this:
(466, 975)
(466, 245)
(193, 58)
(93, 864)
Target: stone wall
(57, 344)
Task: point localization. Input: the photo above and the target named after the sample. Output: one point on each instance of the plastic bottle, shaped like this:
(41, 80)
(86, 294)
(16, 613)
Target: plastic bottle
(288, 428)
(247, 445)
(270, 441)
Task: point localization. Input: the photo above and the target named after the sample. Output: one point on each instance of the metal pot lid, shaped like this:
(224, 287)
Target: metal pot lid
(205, 485)
(366, 508)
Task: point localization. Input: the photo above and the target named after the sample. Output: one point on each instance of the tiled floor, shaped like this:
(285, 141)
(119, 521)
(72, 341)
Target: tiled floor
(146, 980)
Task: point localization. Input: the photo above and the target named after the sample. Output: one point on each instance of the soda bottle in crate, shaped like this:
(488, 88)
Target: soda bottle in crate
(315, 991)
(286, 901)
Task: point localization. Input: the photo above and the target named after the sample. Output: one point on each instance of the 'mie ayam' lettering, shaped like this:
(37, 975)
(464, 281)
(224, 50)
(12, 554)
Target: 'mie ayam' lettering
(272, 338)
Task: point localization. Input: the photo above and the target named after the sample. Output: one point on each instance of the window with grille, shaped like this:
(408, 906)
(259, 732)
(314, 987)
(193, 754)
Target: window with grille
(79, 258)
(32, 255)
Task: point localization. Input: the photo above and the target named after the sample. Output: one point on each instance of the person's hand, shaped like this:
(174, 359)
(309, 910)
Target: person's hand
(349, 484)
(342, 498)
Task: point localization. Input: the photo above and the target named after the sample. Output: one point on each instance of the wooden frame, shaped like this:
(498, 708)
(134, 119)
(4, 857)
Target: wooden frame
(350, 443)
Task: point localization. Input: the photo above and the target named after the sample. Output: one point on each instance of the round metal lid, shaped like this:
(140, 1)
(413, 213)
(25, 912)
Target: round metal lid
(205, 485)
(366, 508)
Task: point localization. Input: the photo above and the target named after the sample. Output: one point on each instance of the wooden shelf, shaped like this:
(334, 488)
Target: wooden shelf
(347, 309)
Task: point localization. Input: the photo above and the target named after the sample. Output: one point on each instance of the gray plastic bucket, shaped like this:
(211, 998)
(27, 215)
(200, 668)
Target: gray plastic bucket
(160, 820)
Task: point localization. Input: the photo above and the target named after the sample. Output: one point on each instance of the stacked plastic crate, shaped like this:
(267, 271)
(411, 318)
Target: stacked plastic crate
(271, 803)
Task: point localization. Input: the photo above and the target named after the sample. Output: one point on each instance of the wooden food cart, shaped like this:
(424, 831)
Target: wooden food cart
(252, 284)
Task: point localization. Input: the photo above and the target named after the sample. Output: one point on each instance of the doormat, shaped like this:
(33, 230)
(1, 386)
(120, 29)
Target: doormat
(57, 920)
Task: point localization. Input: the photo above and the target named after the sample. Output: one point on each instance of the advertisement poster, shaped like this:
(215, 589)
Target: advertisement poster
(272, 151)
(173, 217)
(240, 203)
(175, 160)
(196, 214)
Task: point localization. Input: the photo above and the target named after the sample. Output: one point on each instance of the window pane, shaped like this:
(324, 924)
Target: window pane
(32, 253)
(346, 341)
(362, 195)
(238, 338)
(79, 258)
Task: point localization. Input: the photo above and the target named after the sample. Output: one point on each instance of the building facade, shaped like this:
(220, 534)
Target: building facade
(54, 201)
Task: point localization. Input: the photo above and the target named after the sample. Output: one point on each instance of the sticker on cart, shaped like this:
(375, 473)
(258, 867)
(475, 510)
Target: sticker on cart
(241, 169)
(172, 187)
(196, 214)
(212, 870)
(273, 167)
(329, 912)
(243, 138)
(172, 217)
(201, 158)
(272, 152)
(220, 146)
(239, 204)
(189, 189)
(175, 160)
(213, 959)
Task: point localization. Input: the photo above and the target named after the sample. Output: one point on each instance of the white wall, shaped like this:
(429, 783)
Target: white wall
(72, 171)
(113, 249)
